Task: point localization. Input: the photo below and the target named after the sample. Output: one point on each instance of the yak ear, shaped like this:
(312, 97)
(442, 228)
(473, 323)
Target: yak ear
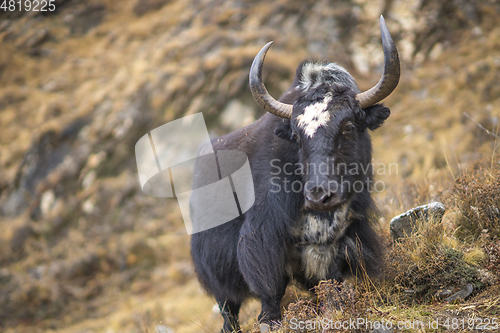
(283, 130)
(375, 116)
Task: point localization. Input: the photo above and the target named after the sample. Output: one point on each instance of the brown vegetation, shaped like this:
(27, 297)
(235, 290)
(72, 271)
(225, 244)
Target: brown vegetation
(477, 196)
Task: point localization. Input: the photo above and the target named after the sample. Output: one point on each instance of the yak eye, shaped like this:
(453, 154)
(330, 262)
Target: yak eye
(348, 128)
(295, 137)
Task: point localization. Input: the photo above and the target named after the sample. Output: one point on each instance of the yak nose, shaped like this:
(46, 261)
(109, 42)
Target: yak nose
(319, 198)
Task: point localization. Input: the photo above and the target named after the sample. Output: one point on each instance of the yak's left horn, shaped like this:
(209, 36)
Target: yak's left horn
(390, 77)
(259, 91)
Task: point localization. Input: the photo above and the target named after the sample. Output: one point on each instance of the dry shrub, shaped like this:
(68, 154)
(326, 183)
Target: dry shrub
(429, 260)
(477, 196)
(300, 311)
(338, 303)
(335, 302)
(351, 299)
(492, 250)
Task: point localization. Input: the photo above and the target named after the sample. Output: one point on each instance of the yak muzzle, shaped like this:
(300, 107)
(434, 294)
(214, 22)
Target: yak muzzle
(324, 199)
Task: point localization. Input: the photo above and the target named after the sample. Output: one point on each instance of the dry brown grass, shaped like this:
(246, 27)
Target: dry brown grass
(430, 260)
(477, 196)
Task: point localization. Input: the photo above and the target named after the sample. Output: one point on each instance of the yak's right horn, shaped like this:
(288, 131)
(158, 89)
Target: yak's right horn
(259, 91)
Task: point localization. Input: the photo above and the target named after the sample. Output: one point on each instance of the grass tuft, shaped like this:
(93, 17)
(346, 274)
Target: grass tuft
(429, 260)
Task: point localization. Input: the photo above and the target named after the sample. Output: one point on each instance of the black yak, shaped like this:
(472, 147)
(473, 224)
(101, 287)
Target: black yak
(310, 157)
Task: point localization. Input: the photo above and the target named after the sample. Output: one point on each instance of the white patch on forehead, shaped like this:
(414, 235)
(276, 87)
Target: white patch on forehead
(315, 116)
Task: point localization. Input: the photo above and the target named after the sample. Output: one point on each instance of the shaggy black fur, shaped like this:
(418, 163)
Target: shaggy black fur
(258, 253)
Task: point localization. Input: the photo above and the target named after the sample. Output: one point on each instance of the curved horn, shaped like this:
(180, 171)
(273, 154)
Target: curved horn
(259, 91)
(390, 77)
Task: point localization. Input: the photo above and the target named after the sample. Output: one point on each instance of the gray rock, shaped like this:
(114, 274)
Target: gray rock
(462, 294)
(404, 224)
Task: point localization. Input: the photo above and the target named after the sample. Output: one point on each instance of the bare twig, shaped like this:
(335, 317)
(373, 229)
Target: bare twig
(481, 126)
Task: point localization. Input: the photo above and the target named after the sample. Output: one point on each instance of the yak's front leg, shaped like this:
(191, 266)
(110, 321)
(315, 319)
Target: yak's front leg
(271, 311)
(230, 311)
(262, 262)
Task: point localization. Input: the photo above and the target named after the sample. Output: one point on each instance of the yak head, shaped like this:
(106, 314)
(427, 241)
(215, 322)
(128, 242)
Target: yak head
(327, 117)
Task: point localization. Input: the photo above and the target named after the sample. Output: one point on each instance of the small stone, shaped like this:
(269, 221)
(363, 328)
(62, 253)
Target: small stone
(408, 129)
(477, 31)
(47, 202)
(88, 206)
(264, 328)
(403, 225)
(462, 294)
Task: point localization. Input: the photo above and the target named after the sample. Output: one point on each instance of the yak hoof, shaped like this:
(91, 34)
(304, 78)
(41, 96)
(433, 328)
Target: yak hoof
(264, 328)
(269, 325)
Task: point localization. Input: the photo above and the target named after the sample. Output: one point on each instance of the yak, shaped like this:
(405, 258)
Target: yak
(310, 157)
